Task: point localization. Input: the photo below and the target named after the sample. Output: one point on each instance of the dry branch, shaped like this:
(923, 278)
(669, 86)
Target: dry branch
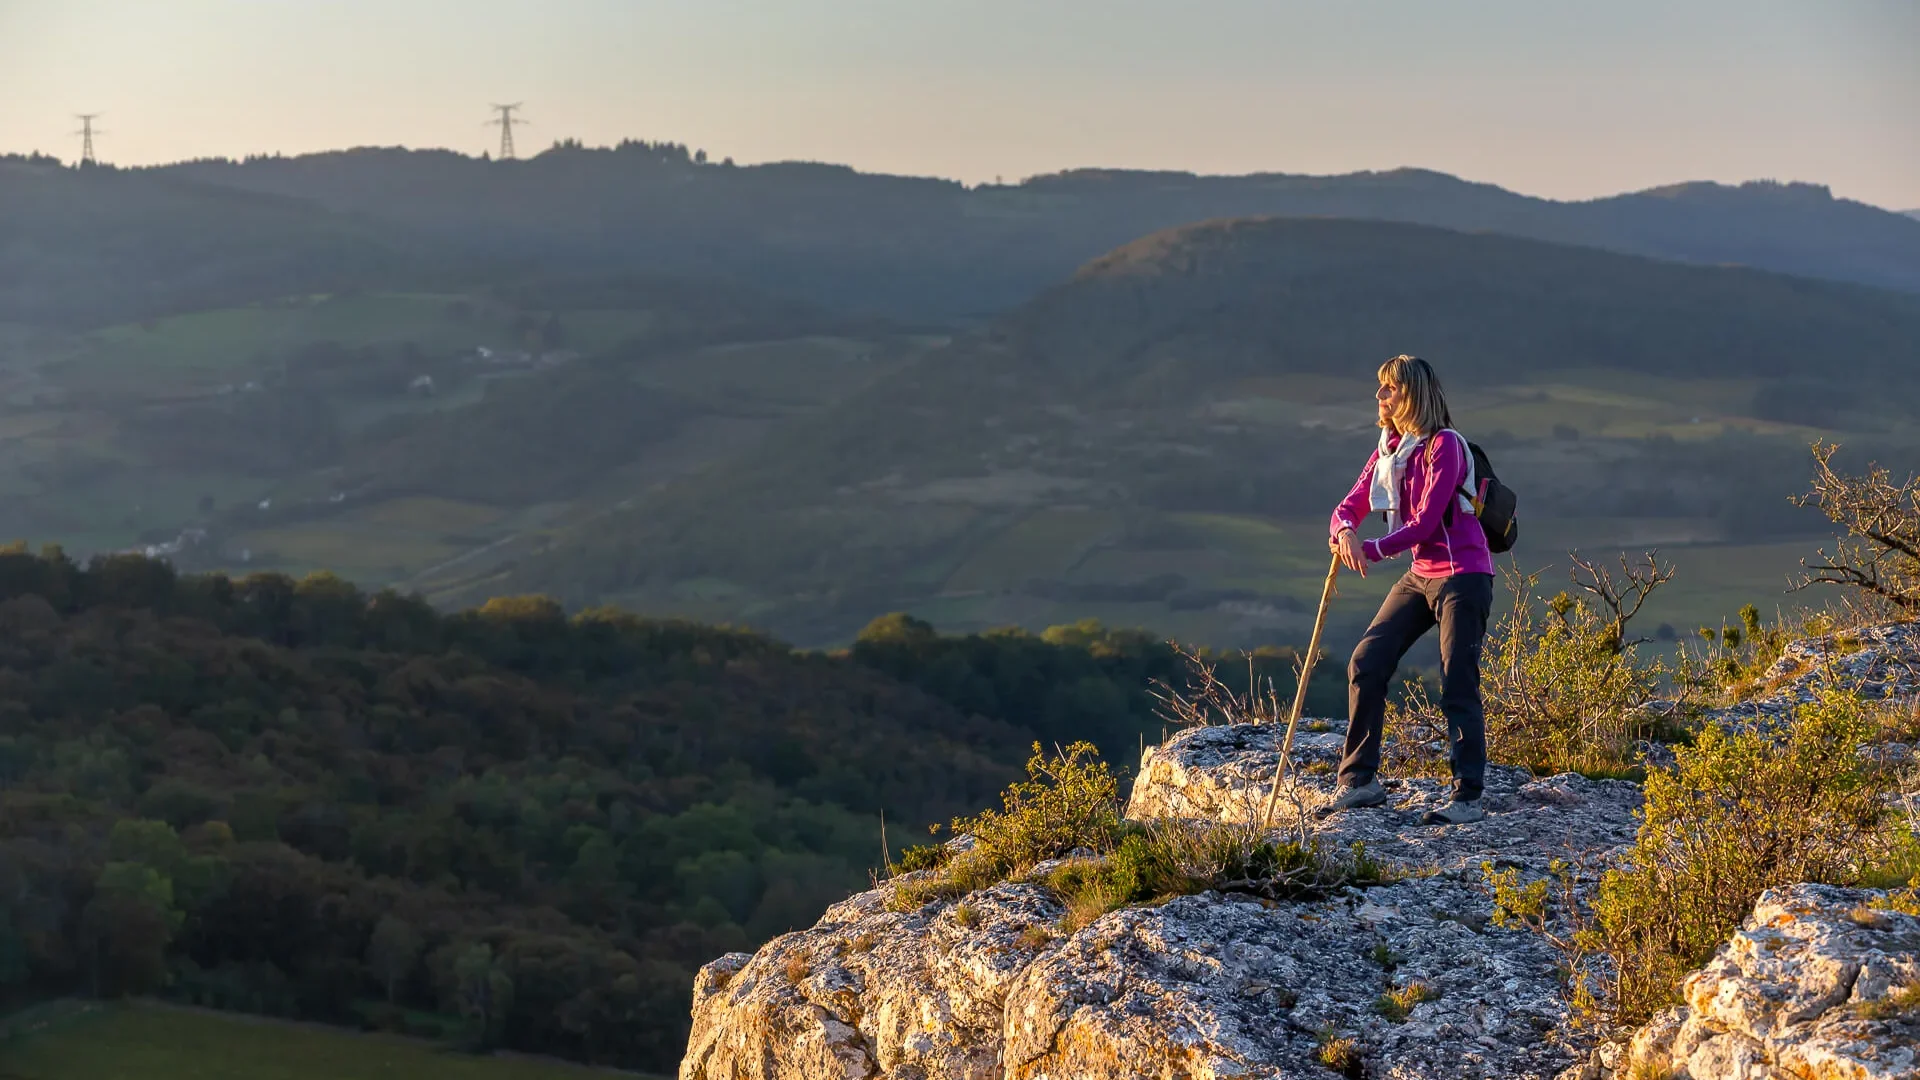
(1880, 553)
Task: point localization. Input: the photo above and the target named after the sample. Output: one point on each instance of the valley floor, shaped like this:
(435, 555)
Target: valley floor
(155, 1041)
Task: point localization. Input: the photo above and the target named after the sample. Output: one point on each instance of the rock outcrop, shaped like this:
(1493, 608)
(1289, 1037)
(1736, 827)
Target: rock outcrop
(1219, 986)
(1207, 986)
(1817, 985)
(1224, 773)
(1876, 662)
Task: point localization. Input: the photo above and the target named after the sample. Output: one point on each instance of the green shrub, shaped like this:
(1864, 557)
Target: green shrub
(922, 857)
(1068, 801)
(1383, 954)
(963, 874)
(1737, 814)
(1738, 655)
(1565, 687)
(1879, 555)
(1894, 863)
(1086, 890)
(1516, 906)
(1906, 901)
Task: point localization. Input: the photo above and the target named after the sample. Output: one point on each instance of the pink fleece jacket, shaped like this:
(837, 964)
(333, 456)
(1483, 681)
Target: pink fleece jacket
(1433, 478)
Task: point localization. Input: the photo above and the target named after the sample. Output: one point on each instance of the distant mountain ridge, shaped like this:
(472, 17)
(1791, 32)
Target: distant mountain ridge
(928, 247)
(103, 246)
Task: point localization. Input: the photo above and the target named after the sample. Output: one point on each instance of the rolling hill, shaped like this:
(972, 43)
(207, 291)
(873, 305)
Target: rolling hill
(1157, 440)
(321, 395)
(90, 247)
(907, 247)
(924, 247)
(381, 433)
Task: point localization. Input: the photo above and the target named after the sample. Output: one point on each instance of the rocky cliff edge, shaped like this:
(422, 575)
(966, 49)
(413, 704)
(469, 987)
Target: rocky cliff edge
(1216, 986)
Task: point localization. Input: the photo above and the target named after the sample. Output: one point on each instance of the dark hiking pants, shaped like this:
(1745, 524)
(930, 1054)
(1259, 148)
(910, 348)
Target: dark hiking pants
(1459, 606)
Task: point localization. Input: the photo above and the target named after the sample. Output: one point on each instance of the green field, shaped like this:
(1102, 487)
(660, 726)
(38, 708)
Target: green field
(195, 350)
(156, 1042)
(794, 373)
(1046, 543)
(83, 462)
(127, 435)
(188, 351)
(360, 553)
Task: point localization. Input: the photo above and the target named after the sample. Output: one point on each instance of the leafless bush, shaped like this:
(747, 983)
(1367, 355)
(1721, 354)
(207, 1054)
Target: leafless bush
(1414, 741)
(1880, 551)
(1207, 701)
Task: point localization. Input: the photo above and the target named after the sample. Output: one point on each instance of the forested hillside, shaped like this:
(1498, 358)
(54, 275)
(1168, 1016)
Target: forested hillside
(101, 246)
(89, 247)
(913, 246)
(1158, 441)
(505, 826)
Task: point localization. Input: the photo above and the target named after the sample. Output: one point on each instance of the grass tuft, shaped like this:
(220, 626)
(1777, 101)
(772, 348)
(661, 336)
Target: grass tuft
(1900, 1003)
(1342, 1054)
(1385, 957)
(1396, 1003)
(1036, 937)
(1165, 859)
(796, 968)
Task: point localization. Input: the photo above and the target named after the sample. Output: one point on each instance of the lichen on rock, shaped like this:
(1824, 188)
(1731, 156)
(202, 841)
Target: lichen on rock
(1211, 985)
(1793, 995)
(1221, 985)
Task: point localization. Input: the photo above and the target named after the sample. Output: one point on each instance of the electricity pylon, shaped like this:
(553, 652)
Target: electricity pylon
(86, 134)
(505, 123)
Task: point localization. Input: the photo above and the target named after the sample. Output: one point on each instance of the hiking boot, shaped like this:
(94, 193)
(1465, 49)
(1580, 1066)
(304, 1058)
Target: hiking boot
(1350, 797)
(1457, 812)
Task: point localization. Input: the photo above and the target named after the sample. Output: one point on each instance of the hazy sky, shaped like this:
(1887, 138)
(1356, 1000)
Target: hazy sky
(1563, 99)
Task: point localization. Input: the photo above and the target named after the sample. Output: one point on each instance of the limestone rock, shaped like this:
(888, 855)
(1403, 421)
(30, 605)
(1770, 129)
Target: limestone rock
(869, 992)
(1207, 986)
(1223, 773)
(1876, 662)
(1791, 996)
(1220, 986)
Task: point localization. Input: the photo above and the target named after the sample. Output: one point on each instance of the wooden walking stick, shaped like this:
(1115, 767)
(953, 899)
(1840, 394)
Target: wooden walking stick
(1300, 693)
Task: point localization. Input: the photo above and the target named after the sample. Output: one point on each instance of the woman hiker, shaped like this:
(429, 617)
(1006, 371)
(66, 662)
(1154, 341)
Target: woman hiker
(1419, 469)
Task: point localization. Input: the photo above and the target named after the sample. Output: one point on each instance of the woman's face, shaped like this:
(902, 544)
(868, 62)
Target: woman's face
(1392, 400)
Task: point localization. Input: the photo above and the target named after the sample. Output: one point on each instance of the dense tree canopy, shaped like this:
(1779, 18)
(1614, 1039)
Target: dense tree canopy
(509, 825)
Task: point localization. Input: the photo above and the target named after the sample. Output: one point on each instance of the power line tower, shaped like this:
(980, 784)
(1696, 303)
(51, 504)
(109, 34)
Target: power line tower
(505, 123)
(86, 134)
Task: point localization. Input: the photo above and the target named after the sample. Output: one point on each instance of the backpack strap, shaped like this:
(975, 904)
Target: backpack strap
(1460, 489)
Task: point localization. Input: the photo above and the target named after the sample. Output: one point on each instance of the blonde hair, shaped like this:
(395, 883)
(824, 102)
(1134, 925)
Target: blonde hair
(1424, 408)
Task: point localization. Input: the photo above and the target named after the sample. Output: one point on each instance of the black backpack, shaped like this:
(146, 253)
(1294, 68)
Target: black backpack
(1493, 504)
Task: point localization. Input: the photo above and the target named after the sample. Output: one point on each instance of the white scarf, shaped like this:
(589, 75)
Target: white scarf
(1388, 481)
(1389, 470)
